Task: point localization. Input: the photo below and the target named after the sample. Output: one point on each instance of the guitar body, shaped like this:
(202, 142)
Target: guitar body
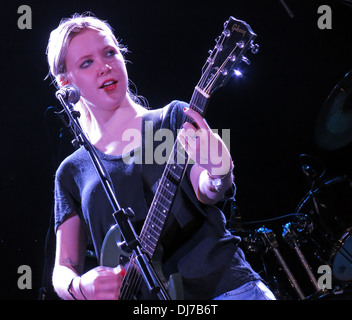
(113, 255)
(236, 38)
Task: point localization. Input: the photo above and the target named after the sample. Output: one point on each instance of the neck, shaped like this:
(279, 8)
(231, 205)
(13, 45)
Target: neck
(103, 115)
(105, 127)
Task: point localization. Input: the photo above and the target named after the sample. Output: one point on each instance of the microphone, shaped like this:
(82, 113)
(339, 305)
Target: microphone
(70, 93)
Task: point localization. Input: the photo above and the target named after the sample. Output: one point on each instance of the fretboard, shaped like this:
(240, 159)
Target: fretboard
(168, 184)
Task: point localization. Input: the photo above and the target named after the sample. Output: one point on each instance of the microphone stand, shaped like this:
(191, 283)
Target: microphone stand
(131, 240)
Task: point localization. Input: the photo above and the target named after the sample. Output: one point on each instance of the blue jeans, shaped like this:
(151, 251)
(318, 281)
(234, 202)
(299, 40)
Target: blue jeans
(253, 290)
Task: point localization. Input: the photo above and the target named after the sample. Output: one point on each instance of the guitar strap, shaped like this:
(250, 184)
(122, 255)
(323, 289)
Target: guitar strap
(149, 176)
(188, 214)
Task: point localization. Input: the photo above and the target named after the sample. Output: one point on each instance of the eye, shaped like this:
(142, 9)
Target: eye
(86, 63)
(110, 53)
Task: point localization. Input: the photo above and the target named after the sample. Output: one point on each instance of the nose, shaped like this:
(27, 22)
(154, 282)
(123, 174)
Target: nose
(104, 69)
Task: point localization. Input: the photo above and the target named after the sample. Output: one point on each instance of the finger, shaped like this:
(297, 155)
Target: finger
(106, 272)
(188, 127)
(181, 138)
(188, 144)
(110, 275)
(120, 271)
(184, 140)
(190, 132)
(198, 119)
(111, 293)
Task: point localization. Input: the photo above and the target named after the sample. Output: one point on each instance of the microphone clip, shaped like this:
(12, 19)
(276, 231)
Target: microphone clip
(69, 93)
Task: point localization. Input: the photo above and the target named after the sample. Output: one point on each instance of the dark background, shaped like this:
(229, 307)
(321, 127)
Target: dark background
(271, 110)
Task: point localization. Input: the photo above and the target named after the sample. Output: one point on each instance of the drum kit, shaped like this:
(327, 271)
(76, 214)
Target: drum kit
(309, 255)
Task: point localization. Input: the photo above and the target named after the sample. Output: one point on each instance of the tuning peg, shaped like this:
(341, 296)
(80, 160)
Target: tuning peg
(226, 33)
(254, 48)
(246, 60)
(240, 44)
(219, 47)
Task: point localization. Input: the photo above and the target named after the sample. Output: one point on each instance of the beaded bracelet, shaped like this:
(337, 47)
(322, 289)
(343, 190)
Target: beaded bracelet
(80, 289)
(69, 289)
(217, 182)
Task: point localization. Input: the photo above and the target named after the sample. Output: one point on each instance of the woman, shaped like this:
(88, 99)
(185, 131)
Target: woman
(83, 51)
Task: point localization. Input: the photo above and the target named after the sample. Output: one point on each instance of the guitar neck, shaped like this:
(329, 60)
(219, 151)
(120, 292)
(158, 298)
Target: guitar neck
(168, 184)
(236, 38)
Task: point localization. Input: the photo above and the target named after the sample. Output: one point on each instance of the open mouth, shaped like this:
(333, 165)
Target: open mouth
(109, 85)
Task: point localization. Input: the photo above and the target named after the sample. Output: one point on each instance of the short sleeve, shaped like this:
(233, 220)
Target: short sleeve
(65, 202)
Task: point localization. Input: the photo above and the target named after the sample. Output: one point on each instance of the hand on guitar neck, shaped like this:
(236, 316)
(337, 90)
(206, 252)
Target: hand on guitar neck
(212, 174)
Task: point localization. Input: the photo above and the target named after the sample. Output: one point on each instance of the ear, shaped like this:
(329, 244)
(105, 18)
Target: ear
(61, 80)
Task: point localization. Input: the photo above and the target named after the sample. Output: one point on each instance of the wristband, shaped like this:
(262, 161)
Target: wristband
(80, 289)
(217, 182)
(69, 289)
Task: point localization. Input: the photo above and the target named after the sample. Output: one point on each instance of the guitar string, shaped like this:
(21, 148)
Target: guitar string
(133, 278)
(212, 81)
(162, 190)
(130, 280)
(132, 275)
(214, 78)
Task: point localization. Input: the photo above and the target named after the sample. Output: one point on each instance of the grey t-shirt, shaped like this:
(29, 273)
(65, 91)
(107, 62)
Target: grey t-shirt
(195, 240)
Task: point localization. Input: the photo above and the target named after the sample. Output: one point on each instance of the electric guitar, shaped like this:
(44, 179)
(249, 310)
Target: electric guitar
(234, 41)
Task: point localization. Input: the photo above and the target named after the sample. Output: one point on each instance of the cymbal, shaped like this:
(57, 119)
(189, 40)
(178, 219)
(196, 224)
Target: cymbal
(333, 128)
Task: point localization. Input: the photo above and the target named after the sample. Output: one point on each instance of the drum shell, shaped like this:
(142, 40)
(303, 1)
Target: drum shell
(329, 207)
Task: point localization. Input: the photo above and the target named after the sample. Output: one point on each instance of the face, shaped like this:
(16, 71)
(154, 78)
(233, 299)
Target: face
(96, 66)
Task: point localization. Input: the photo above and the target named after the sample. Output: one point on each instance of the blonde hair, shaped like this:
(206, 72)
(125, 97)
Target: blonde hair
(59, 41)
(68, 28)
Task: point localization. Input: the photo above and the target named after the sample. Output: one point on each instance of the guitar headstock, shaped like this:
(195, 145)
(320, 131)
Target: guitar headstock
(236, 38)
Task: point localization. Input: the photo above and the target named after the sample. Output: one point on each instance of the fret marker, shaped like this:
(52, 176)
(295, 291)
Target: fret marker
(164, 211)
